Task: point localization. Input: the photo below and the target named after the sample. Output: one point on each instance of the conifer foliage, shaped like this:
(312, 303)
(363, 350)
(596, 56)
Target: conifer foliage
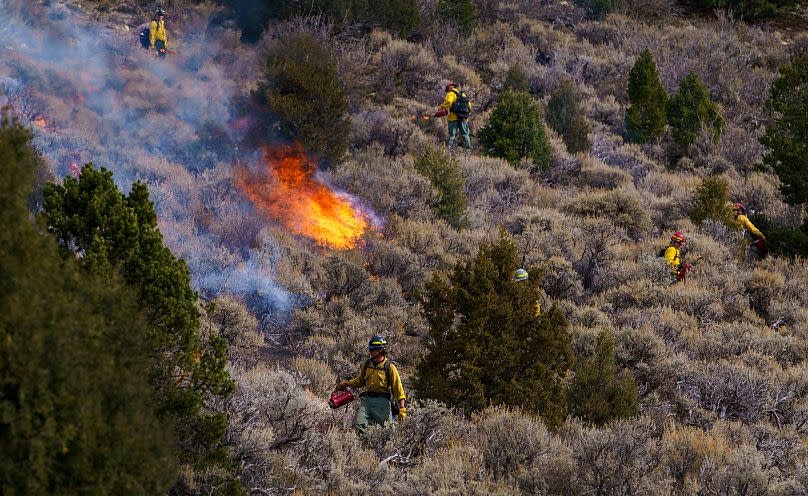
(690, 111)
(462, 12)
(442, 170)
(487, 346)
(117, 234)
(515, 131)
(567, 118)
(301, 87)
(787, 132)
(76, 409)
(645, 117)
(599, 393)
(712, 202)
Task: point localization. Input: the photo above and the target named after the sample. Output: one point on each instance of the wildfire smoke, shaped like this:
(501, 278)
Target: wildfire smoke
(288, 191)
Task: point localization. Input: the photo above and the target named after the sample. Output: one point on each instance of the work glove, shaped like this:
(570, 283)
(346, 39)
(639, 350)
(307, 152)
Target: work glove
(342, 385)
(441, 113)
(402, 414)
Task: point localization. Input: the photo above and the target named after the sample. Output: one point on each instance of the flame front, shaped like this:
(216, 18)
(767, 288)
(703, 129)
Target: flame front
(289, 193)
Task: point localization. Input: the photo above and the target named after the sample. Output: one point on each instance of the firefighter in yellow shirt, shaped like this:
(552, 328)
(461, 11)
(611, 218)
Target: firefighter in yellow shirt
(158, 38)
(457, 107)
(673, 255)
(383, 393)
(758, 245)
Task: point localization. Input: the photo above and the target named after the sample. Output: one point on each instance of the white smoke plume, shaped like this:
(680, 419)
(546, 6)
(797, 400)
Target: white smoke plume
(91, 94)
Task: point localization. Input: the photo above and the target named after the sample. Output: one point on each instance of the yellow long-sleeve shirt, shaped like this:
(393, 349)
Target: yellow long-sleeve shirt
(157, 32)
(373, 378)
(672, 257)
(747, 224)
(448, 100)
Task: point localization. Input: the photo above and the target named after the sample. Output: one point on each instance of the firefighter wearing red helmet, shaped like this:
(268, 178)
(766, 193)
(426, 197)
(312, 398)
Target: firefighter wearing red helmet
(457, 107)
(673, 255)
(383, 393)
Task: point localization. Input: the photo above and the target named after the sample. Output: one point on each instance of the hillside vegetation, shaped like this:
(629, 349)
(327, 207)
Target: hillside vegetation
(599, 129)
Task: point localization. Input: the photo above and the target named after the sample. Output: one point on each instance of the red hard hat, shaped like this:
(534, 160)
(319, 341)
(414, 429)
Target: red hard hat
(738, 206)
(450, 84)
(678, 236)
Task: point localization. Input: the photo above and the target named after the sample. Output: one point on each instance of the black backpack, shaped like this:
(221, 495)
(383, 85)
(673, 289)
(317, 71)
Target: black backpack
(461, 106)
(394, 406)
(145, 36)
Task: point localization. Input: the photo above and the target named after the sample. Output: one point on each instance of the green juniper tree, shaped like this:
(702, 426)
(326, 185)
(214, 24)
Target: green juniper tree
(646, 115)
(441, 169)
(599, 393)
(301, 87)
(690, 111)
(117, 234)
(567, 118)
(712, 202)
(787, 132)
(487, 346)
(77, 413)
(515, 131)
(462, 12)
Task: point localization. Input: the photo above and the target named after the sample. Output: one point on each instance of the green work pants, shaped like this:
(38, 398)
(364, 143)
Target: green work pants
(373, 410)
(463, 127)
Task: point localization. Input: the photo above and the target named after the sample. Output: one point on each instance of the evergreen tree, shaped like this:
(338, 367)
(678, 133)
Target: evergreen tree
(712, 202)
(567, 118)
(462, 12)
(690, 110)
(645, 117)
(487, 346)
(301, 88)
(598, 393)
(751, 10)
(598, 9)
(516, 131)
(442, 170)
(117, 234)
(76, 409)
(787, 132)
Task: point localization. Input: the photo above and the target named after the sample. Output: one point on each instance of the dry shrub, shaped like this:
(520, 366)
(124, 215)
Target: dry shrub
(597, 175)
(689, 449)
(622, 207)
(229, 318)
(319, 375)
(518, 447)
(624, 457)
(395, 136)
(761, 288)
(560, 280)
(494, 189)
(389, 186)
(402, 68)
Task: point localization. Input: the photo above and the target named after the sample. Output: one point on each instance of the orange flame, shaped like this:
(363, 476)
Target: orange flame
(40, 122)
(290, 193)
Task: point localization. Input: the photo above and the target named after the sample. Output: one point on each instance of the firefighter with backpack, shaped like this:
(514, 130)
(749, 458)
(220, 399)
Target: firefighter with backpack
(457, 107)
(155, 38)
(673, 255)
(383, 394)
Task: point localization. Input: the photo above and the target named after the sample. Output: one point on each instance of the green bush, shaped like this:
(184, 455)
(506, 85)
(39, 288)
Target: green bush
(787, 133)
(645, 117)
(690, 110)
(516, 131)
(301, 87)
(712, 202)
(783, 241)
(77, 414)
(461, 12)
(598, 9)
(486, 345)
(567, 118)
(599, 393)
(437, 165)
